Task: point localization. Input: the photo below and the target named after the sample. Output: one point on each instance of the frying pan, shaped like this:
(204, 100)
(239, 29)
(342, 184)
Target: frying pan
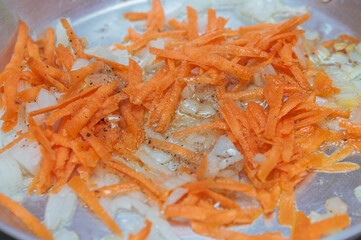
(101, 22)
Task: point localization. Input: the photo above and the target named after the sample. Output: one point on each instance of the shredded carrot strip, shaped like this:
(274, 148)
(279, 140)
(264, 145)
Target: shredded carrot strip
(65, 102)
(135, 16)
(26, 217)
(192, 15)
(218, 62)
(28, 95)
(91, 200)
(65, 56)
(18, 54)
(74, 40)
(286, 209)
(122, 187)
(142, 234)
(20, 137)
(304, 229)
(214, 125)
(171, 147)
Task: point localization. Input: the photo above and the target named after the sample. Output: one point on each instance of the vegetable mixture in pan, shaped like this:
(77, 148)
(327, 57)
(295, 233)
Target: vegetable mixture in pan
(208, 127)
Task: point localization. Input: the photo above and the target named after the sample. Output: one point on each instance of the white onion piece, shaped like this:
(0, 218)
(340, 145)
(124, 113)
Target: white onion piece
(331, 125)
(259, 158)
(355, 115)
(175, 196)
(189, 106)
(337, 58)
(268, 69)
(44, 99)
(321, 101)
(158, 155)
(188, 91)
(151, 134)
(112, 206)
(336, 206)
(178, 181)
(212, 165)
(28, 154)
(206, 110)
(322, 53)
(159, 43)
(119, 56)
(357, 192)
(102, 178)
(229, 173)
(312, 35)
(224, 147)
(358, 48)
(60, 208)
(79, 63)
(148, 160)
(129, 221)
(60, 34)
(11, 181)
(64, 234)
(298, 50)
(316, 217)
(354, 57)
(224, 163)
(161, 229)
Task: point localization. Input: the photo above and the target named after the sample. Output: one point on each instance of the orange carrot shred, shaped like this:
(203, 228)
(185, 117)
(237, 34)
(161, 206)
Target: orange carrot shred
(142, 234)
(91, 200)
(26, 217)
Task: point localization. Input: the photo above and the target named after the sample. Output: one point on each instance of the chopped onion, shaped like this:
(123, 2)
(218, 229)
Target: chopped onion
(175, 196)
(60, 33)
(321, 101)
(158, 155)
(268, 69)
(149, 161)
(103, 178)
(60, 208)
(27, 153)
(336, 206)
(189, 106)
(298, 50)
(151, 134)
(79, 63)
(11, 180)
(224, 147)
(206, 110)
(178, 181)
(355, 115)
(188, 91)
(129, 221)
(64, 234)
(312, 35)
(113, 205)
(358, 48)
(316, 217)
(354, 57)
(119, 56)
(259, 158)
(223, 163)
(44, 99)
(357, 192)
